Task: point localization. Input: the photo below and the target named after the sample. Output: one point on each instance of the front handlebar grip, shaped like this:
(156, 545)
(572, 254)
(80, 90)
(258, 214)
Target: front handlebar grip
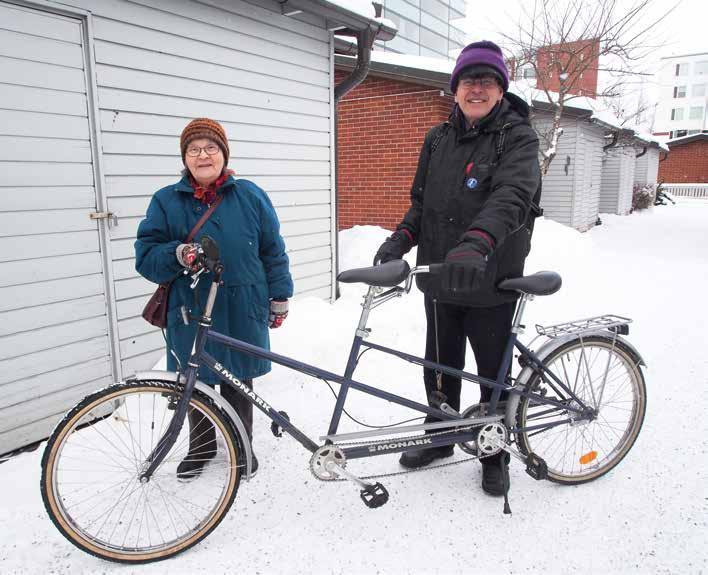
(435, 268)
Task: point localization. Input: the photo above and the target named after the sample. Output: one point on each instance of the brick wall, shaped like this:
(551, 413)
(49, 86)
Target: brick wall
(381, 126)
(686, 164)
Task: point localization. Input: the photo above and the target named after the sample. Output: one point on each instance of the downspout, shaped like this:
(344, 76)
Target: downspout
(365, 41)
(644, 151)
(613, 143)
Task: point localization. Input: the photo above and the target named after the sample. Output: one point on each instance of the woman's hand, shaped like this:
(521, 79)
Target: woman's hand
(188, 256)
(278, 313)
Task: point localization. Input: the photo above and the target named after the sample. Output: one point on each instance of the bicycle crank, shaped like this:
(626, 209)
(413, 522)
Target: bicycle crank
(328, 464)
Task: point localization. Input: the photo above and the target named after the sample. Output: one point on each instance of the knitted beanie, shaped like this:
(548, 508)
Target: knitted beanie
(484, 53)
(205, 128)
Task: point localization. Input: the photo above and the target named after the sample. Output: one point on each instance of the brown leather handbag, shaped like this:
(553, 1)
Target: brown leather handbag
(155, 311)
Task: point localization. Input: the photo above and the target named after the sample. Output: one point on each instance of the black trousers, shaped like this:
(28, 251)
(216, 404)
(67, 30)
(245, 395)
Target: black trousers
(487, 330)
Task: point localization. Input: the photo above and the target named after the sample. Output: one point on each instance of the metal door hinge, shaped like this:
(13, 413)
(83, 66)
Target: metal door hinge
(110, 216)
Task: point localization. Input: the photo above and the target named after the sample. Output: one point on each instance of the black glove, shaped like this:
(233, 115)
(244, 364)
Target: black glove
(394, 247)
(467, 261)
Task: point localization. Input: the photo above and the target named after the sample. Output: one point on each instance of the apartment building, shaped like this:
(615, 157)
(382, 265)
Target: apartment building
(683, 96)
(431, 28)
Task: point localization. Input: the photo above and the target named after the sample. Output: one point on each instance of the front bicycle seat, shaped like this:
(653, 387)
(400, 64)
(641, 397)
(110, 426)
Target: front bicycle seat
(385, 275)
(540, 283)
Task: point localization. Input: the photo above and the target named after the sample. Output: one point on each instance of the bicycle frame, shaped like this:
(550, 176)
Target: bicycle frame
(449, 419)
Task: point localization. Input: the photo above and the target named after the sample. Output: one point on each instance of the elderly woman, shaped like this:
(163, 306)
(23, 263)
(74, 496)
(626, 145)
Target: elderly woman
(257, 282)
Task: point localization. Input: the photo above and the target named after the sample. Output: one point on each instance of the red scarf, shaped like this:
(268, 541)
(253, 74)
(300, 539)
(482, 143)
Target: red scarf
(207, 194)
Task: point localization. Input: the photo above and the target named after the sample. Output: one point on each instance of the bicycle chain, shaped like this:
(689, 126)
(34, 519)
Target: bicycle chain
(395, 473)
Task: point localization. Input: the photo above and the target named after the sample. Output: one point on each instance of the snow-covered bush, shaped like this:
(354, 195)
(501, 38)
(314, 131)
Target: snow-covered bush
(642, 196)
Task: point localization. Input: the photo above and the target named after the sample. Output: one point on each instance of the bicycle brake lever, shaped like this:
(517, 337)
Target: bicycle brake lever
(195, 278)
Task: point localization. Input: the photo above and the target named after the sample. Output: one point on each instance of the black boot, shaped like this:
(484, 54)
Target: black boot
(202, 446)
(493, 473)
(422, 457)
(244, 408)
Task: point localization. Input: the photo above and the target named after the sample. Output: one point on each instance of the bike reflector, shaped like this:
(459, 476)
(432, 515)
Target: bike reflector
(588, 457)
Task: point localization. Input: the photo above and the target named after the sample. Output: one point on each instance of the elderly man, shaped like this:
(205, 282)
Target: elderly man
(471, 207)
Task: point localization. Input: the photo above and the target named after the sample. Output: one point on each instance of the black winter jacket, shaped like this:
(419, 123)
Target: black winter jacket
(501, 155)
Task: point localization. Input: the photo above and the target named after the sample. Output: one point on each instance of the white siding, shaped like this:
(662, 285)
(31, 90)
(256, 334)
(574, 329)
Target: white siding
(54, 344)
(617, 180)
(264, 76)
(647, 167)
(557, 198)
(157, 64)
(588, 185)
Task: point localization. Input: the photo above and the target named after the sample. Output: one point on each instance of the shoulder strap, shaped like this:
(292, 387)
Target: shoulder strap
(203, 219)
(439, 136)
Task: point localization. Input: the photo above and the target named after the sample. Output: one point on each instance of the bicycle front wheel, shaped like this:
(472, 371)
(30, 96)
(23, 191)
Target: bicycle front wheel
(92, 464)
(604, 373)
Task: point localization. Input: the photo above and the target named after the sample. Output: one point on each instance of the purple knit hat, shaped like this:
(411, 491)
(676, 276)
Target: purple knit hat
(484, 53)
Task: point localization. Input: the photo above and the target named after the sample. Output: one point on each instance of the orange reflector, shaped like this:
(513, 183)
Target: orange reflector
(588, 457)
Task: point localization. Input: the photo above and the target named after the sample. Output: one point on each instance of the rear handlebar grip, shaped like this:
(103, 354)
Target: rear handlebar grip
(435, 268)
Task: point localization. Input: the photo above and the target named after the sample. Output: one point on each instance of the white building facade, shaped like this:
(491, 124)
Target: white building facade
(93, 97)
(683, 96)
(432, 28)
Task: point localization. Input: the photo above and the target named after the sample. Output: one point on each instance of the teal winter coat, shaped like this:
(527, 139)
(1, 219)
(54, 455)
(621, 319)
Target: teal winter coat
(256, 269)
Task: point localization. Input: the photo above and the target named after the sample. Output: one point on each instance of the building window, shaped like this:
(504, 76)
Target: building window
(679, 91)
(528, 72)
(681, 69)
(677, 114)
(679, 133)
(691, 132)
(699, 89)
(695, 113)
(702, 67)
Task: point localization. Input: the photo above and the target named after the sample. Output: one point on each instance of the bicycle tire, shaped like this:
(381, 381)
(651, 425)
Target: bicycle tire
(582, 458)
(79, 441)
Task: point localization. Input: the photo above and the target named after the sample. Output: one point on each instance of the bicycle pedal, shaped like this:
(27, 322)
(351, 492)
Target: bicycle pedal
(374, 496)
(536, 467)
(275, 429)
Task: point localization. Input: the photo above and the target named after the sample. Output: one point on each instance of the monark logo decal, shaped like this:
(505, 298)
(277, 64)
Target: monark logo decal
(227, 375)
(399, 444)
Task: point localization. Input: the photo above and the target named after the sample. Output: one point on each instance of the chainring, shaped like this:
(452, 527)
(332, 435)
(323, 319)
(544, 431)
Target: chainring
(321, 457)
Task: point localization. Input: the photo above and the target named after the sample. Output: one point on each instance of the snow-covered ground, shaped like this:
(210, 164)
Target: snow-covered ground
(649, 515)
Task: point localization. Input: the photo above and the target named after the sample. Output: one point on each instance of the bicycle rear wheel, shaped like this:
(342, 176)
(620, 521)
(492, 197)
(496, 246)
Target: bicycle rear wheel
(91, 466)
(604, 373)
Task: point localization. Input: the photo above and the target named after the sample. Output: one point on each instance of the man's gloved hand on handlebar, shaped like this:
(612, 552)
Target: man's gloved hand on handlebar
(394, 248)
(467, 261)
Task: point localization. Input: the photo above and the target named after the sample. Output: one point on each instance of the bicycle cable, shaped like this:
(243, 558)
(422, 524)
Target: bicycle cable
(355, 420)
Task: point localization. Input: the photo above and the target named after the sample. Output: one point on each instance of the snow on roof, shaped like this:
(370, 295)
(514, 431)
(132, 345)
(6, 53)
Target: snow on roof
(419, 62)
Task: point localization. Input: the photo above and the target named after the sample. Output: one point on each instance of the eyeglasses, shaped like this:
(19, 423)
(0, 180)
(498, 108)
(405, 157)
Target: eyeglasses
(210, 149)
(485, 82)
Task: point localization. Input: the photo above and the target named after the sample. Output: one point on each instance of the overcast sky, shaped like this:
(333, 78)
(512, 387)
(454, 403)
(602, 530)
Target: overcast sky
(682, 32)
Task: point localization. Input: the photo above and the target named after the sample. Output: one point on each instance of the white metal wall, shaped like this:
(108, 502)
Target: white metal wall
(647, 167)
(617, 180)
(158, 64)
(264, 76)
(54, 342)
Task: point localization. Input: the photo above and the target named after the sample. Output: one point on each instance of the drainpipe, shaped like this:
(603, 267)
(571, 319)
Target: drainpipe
(365, 41)
(644, 151)
(613, 143)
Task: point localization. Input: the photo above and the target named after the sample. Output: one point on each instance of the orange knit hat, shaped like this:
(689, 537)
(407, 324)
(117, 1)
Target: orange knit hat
(205, 128)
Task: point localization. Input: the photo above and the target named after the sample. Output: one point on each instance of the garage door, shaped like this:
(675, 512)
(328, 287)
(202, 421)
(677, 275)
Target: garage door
(54, 344)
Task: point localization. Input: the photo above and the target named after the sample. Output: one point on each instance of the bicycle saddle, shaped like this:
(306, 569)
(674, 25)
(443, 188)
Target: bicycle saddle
(384, 275)
(540, 283)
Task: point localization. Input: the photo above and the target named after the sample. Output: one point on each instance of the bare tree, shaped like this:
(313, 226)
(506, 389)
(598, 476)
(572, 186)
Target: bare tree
(564, 40)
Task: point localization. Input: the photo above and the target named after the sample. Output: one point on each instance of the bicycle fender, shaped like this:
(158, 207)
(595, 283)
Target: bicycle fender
(548, 347)
(217, 398)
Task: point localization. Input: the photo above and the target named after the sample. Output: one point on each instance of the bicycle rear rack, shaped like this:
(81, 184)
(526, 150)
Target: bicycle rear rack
(615, 323)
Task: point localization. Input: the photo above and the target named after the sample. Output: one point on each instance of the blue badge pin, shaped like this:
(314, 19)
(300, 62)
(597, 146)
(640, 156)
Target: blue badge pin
(472, 183)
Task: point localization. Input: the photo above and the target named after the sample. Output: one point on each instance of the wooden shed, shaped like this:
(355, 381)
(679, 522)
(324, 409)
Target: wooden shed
(571, 188)
(93, 97)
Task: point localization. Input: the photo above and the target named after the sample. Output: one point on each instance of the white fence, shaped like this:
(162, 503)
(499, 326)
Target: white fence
(696, 191)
